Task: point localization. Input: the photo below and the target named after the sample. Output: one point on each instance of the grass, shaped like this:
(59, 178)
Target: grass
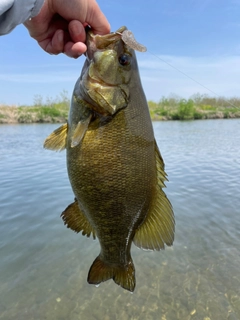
(171, 108)
(51, 110)
(195, 108)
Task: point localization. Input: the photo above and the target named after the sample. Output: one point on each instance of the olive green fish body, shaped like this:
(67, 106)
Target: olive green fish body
(114, 165)
(112, 173)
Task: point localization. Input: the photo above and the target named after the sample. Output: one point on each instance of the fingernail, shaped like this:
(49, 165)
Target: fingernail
(60, 37)
(75, 29)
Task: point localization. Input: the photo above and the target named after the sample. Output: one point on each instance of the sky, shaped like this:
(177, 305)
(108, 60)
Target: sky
(188, 41)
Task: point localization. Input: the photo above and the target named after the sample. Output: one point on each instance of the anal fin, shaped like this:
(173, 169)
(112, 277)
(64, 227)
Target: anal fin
(74, 219)
(57, 139)
(159, 225)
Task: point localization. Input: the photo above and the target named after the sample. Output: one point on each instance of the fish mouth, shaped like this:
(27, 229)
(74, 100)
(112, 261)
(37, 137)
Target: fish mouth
(96, 42)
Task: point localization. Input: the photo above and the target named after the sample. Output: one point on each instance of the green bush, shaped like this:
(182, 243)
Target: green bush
(226, 114)
(175, 116)
(162, 112)
(186, 109)
(197, 115)
(49, 111)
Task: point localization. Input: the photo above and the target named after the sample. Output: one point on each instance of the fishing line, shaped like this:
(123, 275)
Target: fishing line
(128, 38)
(169, 64)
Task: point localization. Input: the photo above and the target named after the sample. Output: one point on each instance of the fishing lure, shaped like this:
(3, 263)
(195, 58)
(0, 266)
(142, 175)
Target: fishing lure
(128, 38)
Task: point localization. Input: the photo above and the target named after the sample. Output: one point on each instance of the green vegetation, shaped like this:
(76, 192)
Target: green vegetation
(51, 110)
(171, 108)
(197, 107)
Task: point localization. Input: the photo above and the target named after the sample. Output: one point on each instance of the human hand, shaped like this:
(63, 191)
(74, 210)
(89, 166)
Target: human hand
(59, 26)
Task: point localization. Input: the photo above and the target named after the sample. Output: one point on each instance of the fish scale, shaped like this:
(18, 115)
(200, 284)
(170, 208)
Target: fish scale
(114, 195)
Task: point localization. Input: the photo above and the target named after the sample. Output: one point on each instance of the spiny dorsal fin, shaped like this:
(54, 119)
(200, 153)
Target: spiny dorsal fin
(158, 227)
(57, 139)
(80, 131)
(76, 220)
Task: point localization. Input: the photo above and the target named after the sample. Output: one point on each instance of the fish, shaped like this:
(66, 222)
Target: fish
(114, 164)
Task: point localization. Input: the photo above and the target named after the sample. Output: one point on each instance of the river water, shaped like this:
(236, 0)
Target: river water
(44, 265)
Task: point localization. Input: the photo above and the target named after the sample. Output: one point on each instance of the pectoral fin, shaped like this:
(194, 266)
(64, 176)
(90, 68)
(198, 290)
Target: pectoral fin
(57, 139)
(158, 227)
(80, 131)
(76, 220)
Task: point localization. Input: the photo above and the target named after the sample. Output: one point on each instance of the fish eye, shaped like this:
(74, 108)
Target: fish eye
(124, 59)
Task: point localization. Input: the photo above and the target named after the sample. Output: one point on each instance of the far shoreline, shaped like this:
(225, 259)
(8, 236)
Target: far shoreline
(60, 120)
(200, 107)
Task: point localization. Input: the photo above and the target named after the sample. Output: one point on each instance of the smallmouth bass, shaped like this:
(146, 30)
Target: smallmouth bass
(114, 164)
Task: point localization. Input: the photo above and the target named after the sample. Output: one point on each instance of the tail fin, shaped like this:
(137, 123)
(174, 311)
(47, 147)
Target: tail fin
(123, 276)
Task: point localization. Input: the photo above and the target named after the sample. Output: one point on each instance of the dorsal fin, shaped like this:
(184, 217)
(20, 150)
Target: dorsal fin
(159, 225)
(57, 139)
(74, 218)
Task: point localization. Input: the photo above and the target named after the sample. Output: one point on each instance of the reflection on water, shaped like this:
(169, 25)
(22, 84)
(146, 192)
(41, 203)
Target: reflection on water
(44, 265)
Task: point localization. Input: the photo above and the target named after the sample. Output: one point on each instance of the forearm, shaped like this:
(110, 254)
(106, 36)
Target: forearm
(16, 12)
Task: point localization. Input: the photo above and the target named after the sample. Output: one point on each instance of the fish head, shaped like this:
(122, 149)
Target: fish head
(105, 77)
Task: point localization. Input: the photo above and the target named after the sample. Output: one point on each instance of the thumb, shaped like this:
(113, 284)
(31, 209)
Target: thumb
(85, 11)
(96, 19)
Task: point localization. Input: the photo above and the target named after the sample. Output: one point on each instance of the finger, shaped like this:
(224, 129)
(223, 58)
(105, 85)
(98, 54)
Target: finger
(74, 50)
(54, 44)
(57, 43)
(86, 12)
(77, 31)
(97, 20)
